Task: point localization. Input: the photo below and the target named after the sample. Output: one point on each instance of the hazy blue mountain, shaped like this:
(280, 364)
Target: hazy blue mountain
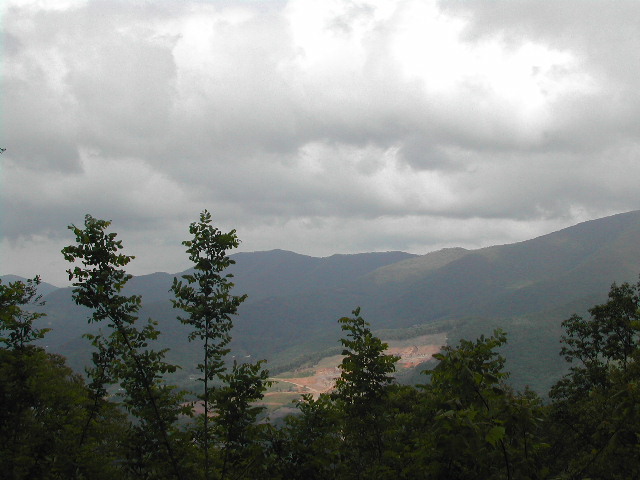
(527, 288)
(259, 274)
(277, 273)
(43, 289)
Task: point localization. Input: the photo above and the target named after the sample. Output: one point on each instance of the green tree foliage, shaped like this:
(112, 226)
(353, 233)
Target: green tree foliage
(124, 355)
(366, 370)
(361, 392)
(608, 339)
(308, 445)
(42, 411)
(205, 296)
(42, 402)
(479, 428)
(596, 408)
(239, 436)
(16, 324)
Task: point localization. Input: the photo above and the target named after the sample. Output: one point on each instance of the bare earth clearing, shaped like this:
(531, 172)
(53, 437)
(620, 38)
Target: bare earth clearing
(320, 378)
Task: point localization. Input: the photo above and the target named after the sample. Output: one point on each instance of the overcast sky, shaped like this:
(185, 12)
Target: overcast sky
(319, 127)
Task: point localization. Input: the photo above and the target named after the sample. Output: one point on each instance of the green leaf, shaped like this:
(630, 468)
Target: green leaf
(495, 435)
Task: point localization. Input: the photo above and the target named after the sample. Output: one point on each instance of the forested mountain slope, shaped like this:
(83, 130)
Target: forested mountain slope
(527, 288)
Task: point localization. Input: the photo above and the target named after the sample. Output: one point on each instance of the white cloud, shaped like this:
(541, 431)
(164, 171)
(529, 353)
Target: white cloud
(381, 120)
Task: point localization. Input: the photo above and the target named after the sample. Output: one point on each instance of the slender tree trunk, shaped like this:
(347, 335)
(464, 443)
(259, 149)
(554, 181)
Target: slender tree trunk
(206, 402)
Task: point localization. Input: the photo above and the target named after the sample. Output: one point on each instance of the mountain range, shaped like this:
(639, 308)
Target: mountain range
(294, 301)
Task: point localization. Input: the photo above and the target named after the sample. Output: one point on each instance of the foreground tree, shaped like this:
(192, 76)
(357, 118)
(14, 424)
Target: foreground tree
(205, 296)
(124, 355)
(42, 402)
(596, 428)
(308, 446)
(16, 323)
(361, 392)
(479, 428)
(366, 370)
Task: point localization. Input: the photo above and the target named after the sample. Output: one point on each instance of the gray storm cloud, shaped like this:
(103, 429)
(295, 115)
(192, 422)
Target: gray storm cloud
(320, 127)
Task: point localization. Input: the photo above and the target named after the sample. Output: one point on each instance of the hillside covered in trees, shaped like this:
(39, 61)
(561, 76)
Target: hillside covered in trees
(462, 421)
(289, 316)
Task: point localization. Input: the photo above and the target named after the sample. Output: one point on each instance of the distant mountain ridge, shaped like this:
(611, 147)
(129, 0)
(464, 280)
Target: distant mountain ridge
(277, 273)
(574, 262)
(43, 289)
(259, 274)
(528, 288)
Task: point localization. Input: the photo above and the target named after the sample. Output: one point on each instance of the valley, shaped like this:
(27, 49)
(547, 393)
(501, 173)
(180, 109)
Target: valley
(320, 377)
